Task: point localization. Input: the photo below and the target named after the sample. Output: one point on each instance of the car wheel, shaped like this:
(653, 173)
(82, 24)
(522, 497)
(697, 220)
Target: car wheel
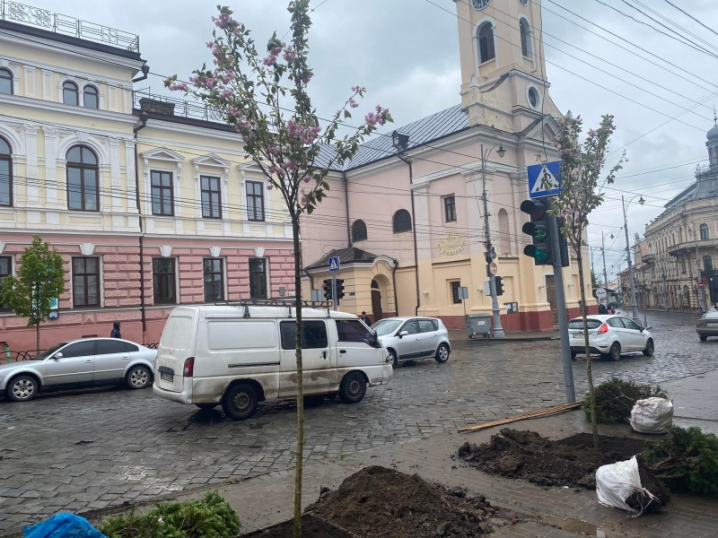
(703, 337)
(206, 406)
(138, 377)
(649, 348)
(394, 359)
(353, 388)
(442, 354)
(615, 351)
(240, 401)
(573, 355)
(22, 388)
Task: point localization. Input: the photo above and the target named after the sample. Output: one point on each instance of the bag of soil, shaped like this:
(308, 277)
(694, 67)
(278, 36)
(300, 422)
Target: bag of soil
(618, 485)
(652, 415)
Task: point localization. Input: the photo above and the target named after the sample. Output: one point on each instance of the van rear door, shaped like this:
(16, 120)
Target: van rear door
(177, 344)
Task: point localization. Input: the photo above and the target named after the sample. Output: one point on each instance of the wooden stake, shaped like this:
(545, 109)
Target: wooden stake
(525, 416)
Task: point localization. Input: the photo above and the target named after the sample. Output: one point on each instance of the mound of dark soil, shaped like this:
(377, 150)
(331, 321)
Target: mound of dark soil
(384, 503)
(312, 527)
(566, 462)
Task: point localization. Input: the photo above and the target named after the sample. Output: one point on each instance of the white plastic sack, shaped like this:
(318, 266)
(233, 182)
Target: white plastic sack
(617, 482)
(652, 415)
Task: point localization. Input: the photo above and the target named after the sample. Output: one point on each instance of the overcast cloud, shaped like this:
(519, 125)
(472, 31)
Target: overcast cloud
(406, 53)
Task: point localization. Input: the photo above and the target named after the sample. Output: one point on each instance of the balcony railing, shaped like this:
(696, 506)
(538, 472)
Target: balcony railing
(690, 246)
(63, 24)
(169, 106)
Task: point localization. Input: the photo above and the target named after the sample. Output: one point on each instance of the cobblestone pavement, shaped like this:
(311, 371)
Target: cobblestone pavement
(102, 448)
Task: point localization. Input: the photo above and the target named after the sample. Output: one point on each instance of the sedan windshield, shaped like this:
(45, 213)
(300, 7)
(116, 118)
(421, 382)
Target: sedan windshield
(49, 352)
(386, 326)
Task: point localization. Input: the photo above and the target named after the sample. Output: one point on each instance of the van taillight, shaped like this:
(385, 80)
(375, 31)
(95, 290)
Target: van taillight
(603, 329)
(188, 367)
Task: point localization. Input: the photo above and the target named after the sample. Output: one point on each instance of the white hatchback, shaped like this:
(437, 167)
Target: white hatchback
(413, 338)
(610, 336)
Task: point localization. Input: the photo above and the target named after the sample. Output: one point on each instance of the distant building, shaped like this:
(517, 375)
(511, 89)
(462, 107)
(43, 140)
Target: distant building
(683, 241)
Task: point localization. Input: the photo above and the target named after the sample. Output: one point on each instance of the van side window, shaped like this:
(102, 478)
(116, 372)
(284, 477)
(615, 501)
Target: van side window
(314, 334)
(352, 330)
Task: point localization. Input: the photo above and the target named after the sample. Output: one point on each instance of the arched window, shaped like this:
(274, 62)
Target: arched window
(5, 81)
(5, 174)
(82, 179)
(359, 231)
(526, 40)
(487, 49)
(90, 97)
(402, 221)
(705, 234)
(504, 233)
(70, 95)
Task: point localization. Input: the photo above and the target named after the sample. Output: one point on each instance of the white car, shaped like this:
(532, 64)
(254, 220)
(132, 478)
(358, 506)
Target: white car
(413, 338)
(610, 336)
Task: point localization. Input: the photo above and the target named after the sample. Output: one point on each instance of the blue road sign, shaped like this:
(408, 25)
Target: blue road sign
(334, 264)
(544, 179)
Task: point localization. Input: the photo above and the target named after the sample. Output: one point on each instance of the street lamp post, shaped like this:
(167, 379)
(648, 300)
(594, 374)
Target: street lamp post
(498, 331)
(628, 255)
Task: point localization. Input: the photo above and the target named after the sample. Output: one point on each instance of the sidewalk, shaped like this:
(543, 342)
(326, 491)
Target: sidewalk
(563, 512)
(456, 335)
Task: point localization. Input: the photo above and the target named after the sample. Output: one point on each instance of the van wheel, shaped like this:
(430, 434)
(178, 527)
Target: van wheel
(206, 406)
(394, 359)
(573, 355)
(442, 354)
(353, 388)
(240, 401)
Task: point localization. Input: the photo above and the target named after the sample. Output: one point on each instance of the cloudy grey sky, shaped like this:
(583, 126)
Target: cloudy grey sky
(406, 53)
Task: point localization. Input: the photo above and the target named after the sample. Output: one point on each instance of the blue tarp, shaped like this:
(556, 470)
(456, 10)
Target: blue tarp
(62, 525)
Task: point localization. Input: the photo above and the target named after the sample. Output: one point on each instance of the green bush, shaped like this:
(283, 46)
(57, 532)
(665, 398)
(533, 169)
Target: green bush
(686, 460)
(211, 517)
(615, 399)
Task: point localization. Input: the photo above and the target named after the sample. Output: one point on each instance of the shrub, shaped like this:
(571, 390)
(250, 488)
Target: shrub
(686, 460)
(211, 517)
(615, 399)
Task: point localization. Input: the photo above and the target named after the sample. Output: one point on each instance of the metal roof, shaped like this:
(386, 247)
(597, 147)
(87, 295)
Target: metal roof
(444, 123)
(346, 256)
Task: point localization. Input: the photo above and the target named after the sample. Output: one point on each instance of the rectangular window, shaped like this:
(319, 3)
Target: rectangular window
(211, 197)
(5, 177)
(82, 191)
(213, 280)
(164, 278)
(5, 270)
(683, 265)
(455, 285)
(352, 330)
(707, 263)
(255, 201)
(162, 193)
(85, 282)
(314, 334)
(450, 208)
(258, 278)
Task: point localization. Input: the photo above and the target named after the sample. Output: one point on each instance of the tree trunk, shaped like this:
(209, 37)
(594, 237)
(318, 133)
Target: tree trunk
(589, 371)
(37, 337)
(300, 380)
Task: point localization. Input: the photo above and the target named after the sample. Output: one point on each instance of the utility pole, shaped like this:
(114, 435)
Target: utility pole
(603, 251)
(562, 318)
(699, 276)
(630, 264)
(498, 331)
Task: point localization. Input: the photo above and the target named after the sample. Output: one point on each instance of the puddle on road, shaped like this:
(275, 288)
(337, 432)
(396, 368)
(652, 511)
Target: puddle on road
(575, 525)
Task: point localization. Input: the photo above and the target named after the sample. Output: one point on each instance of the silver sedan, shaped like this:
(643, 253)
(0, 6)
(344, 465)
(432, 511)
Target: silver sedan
(79, 363)
(708, 325)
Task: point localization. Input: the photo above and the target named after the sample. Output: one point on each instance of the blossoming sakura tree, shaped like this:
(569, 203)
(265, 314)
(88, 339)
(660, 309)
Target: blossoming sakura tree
(264, 97)
(581, 172)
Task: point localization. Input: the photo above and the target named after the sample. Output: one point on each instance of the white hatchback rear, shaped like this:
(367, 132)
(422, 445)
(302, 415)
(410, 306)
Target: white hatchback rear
(610, 336)
(238, 356)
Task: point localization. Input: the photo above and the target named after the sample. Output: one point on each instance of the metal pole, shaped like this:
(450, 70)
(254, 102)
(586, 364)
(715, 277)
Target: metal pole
(630, 265)
(603, 251)
(665, 291)
(562, 318)
(335, 302)
(699, 290)
(498, 331)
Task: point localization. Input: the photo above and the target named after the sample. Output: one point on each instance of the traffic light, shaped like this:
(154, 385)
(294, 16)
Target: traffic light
(538, 229)
(340, 288)
(327, 288)
(499, 281)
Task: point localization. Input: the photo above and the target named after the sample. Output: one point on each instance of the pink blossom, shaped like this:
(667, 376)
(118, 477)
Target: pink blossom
(307, 77)
(210, 44)
(269, 186)
(179, 86)
(353, 103)
(226, 94)
(371, 119)
(222, 21)
(356, 89)
(592, 133)
(289, 54)
(306, 179)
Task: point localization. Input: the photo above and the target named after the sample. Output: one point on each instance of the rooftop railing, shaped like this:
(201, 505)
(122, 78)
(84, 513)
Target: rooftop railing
(63, 24)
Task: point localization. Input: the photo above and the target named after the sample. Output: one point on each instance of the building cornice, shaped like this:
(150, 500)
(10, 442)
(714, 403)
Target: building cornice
(72, 110)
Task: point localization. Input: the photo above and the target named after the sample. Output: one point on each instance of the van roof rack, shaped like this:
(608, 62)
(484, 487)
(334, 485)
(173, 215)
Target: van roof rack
(287, 303)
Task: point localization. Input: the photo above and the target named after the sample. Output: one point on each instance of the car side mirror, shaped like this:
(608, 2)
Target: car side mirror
(402, 334)
(57, 356)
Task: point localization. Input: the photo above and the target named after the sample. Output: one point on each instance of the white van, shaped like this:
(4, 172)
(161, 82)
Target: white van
(238, 356)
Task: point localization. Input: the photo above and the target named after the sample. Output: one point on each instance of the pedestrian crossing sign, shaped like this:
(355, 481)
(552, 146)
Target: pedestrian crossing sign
(544, 179)
(334, 264)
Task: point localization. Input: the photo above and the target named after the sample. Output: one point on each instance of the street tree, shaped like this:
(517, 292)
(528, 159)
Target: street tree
(264, 97)
(583, 180)
(40, 279)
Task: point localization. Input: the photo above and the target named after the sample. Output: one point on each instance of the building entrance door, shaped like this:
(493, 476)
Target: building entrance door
(376, 301)
(551, 298)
